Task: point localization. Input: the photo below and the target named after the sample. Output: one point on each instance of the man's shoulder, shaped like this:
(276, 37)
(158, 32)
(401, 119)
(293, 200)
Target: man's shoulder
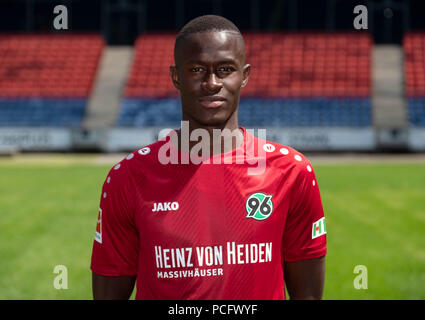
(136, 162)
(283, 156)
(279, 150)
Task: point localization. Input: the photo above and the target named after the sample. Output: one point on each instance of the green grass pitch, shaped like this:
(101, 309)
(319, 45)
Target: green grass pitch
(375, 217)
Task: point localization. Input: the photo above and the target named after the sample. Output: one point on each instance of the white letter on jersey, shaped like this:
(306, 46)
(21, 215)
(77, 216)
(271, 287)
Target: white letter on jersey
(203, 146)
(60, 281)
(167, 148)
(260, 159)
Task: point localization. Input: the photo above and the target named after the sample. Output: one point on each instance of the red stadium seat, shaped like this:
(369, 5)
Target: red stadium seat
(414, 51)
(59, 65)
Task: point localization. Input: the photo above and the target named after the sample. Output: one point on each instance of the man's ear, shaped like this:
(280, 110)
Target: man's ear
(245, 73)
(175, 77)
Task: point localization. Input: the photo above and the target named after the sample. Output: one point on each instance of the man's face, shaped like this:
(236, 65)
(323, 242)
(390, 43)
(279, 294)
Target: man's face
(209, 74)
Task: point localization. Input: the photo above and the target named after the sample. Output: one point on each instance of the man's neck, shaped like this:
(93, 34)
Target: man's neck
(213, 139)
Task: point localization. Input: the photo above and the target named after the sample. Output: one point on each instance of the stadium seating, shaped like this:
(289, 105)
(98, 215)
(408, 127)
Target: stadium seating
(308, 65)
(414, 50)
(297, 79)
(149, 76)
(45, 80)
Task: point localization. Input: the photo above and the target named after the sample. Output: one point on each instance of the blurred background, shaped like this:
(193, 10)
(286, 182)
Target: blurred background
(82, 82)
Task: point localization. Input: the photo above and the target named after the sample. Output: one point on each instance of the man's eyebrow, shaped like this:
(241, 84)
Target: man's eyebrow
(227, 61)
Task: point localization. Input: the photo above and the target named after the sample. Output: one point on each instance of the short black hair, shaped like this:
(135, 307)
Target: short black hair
(207, 23)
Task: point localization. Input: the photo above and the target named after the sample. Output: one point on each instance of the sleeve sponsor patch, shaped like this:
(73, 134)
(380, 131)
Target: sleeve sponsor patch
(319, 228)
(98, 234)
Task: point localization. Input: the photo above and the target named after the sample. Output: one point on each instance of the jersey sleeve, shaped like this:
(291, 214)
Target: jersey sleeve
(305, 228)
(116, 246)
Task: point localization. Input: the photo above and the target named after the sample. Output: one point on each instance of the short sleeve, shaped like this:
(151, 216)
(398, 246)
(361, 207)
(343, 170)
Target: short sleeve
(305, 228)
(116, 246)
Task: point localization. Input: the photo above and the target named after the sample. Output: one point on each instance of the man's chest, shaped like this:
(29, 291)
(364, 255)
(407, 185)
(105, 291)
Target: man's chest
(208, 204)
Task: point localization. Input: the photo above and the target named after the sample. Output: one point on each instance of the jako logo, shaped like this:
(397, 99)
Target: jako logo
(165, 206)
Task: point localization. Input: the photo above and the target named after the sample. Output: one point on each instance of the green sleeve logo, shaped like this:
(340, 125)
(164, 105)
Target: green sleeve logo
(259, 206)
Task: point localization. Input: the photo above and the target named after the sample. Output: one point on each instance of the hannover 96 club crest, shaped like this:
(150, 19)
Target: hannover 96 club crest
(259, 206)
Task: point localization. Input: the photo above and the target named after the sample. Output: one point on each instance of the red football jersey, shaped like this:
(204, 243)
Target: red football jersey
(209, 231)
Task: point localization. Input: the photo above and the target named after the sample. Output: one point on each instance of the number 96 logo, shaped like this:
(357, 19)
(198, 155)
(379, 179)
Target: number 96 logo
(259, 206)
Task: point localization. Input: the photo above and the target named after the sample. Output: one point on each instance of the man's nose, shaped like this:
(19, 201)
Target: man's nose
(212, 83)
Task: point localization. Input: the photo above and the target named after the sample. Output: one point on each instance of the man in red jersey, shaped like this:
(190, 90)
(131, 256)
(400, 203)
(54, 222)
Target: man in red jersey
(186, 217)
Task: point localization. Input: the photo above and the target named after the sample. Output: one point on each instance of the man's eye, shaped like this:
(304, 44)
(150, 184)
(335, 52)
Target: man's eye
(226, 69)
(196, 69)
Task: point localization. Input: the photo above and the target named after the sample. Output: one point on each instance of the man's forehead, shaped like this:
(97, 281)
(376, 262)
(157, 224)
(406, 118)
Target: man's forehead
(213, 43)
(219, 37)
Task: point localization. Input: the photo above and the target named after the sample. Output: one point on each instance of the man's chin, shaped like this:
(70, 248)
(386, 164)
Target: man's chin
(213, 123)
(218, 119)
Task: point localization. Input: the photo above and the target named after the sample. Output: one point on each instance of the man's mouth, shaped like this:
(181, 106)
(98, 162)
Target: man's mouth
(212, 101)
